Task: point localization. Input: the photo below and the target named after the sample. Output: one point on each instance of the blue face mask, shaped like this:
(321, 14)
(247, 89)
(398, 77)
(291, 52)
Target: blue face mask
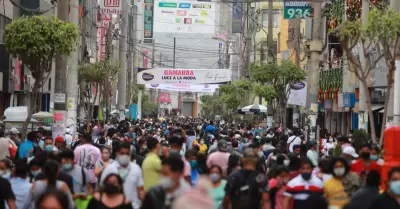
(67, 167)
(193, 163)
(48, 148)
(395, 187)
(374, 157)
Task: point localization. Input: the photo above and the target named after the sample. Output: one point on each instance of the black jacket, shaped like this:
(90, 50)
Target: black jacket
(155, 198)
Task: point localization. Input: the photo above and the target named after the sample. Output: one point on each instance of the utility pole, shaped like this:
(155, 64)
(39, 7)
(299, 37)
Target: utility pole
(122, 58)
(270, 35)
(72, 81)
(313, 72)
(362, 116)
(109, 59)
(83, 59)
(158, 90)
(297, 40)
(270, 58)
(395, 4)
(153, 65)
(60, 89)
(130, 58)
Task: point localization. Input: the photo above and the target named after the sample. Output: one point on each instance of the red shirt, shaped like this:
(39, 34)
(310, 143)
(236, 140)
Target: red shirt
(359, 167)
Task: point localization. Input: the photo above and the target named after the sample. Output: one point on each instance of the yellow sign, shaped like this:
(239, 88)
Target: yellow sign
(204, 13)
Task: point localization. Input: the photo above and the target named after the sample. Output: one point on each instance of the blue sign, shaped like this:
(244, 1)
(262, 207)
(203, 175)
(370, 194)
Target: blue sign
(184, 5)
(132, 111)
(237, 16)
(346, 100)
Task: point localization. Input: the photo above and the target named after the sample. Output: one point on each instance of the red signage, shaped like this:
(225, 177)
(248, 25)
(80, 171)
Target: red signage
(165, 97)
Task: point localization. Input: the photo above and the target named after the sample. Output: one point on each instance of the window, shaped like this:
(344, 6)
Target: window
(265, 18)
(3, 22)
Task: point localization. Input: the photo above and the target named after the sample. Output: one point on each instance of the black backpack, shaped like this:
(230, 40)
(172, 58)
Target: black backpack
(246, 191)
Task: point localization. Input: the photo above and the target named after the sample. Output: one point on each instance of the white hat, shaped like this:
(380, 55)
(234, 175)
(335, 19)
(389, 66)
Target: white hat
(237, 136)
(349, 150)
(14, 131)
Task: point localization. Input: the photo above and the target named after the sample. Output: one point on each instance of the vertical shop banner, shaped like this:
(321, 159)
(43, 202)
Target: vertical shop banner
(17, 75)
(148, 20)
(237, 16)
(111, 6)
(104, 25)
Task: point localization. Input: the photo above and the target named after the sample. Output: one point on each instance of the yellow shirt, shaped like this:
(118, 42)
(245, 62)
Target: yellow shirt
(151, 168)
(203, 148)
(335, 194)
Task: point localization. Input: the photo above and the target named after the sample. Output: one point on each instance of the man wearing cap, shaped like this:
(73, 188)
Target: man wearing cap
(14, 136)
(220, 157)
(349, 153)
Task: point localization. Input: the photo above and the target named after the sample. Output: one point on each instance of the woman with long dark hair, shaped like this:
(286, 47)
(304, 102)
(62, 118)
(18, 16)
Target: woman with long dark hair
(53, 198)
(111, 195)
(51, 171)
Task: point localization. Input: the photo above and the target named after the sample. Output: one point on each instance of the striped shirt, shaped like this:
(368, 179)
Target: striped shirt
(301, 190)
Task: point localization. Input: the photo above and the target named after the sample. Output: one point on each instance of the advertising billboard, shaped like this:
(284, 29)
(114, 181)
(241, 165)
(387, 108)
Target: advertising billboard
(176, 76)
(184, 17)
(185, 87)
(148, 21)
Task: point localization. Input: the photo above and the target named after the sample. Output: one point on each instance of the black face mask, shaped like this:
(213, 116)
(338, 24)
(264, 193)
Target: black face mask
(111, 188)
(365, 155)
(306, 176)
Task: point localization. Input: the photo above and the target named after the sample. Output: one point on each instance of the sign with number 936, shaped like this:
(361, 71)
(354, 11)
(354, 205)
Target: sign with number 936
(291, 13)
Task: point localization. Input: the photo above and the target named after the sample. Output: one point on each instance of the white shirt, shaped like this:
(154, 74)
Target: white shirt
(293, 140)
(313, 156)
(132, 177)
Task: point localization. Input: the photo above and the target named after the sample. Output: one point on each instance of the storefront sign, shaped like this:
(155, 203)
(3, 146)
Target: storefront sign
(184, 87)
(176, 76)
(148, 20)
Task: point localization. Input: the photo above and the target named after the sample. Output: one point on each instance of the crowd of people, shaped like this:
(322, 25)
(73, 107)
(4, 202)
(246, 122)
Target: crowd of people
(191, 163)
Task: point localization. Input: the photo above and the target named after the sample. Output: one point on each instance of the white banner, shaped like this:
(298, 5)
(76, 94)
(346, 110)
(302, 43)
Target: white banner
(110, 6)
(185, 87)
(176, 76)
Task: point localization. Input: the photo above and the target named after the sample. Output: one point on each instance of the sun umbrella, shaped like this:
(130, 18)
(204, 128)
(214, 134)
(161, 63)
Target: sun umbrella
(252, 109)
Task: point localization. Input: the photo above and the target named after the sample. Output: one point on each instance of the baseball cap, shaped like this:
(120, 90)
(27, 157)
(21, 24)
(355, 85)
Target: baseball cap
(223, 146)
(59, 139)
(349, 150)
(14, 131)
(237, 136)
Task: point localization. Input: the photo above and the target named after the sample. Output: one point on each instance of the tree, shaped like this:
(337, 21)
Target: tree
(377, 39)
(36, 40)
(274, 81)
(95, 75)
(236, 94)
(211, 105)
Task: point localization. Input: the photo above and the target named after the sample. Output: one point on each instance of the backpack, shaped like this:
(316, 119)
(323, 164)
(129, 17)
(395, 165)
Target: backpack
(246, 190)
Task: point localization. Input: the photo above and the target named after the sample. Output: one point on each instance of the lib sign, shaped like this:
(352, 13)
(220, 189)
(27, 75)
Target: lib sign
(111, 6)
(293, 8)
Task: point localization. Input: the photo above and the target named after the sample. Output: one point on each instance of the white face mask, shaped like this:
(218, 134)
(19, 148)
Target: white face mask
(286, 162)
(339, 171)
(166, 182)
(123, 160)
(201, 142)
(260, 153)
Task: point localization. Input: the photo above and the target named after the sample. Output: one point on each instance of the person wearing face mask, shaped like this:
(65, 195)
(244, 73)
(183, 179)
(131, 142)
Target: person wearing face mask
(375, 152)
(152, 164)
(339, 189)
(390, 199)
(330, 144)
(103, 162)
(364, 164)
(191, 156)
(312, 153)
(170, 187)
(175, 143)
(301, 187)
(217, 191)
(48, 144)
(111, 195)
(202, 147)
(82, 188)
(130, 173)
(35, 169)
(277, 187)
(5, 168)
